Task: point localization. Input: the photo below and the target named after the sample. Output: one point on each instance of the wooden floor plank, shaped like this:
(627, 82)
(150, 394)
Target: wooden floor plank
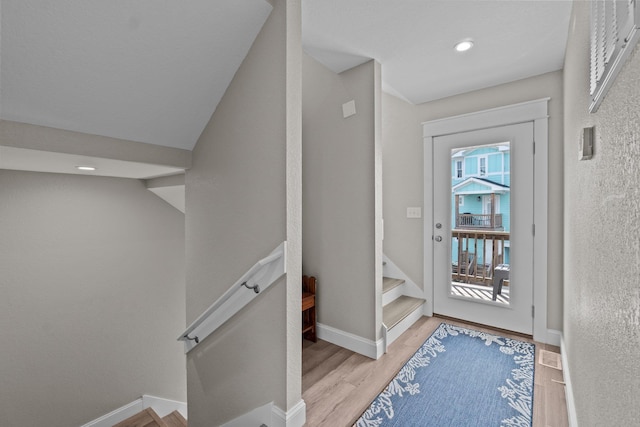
(321, 370)
(339, 385)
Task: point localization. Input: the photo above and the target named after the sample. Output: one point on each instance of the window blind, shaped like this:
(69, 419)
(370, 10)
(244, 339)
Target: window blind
(614, 34)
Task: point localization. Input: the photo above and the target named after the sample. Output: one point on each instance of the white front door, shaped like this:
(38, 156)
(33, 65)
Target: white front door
(465, 259)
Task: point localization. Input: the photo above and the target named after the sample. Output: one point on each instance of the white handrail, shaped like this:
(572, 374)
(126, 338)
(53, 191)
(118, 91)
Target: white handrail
(261, 275)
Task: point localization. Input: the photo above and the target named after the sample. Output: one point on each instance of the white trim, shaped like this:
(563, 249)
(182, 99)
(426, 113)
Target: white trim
(272, 416)
(495, 188)
(395, 332)
(486, 165)
(428, 226)
(161, 406)
(120, 414)
(366, 347)
(568, 390)
(535, 111)
(455, 174)
(294, 417)
(384, 333)
(501, 116)
(540, 211)
(255, 417)
(164, 407)
(263, 274)
(409, 287)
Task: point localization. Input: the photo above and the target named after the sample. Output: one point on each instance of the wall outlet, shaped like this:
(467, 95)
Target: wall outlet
(414, 212)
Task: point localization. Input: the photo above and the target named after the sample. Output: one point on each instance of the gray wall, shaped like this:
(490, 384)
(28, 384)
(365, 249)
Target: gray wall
(602, 239)
(403, 171)
(403, 185)
(92, 285)
(241, 203)
(339, 186)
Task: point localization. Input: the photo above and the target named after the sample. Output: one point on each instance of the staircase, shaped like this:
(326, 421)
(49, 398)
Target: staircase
(399, 310)
(149, 418)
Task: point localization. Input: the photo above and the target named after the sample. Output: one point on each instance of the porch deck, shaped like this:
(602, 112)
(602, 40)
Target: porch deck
(479, 292)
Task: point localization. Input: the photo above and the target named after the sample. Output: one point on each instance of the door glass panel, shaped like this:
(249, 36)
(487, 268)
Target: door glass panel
(481, 218)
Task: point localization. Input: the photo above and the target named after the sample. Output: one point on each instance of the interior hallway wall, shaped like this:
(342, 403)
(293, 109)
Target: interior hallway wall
(602, 239)
(403, 186)
(342, 206)
(242, 201)
(92, 284)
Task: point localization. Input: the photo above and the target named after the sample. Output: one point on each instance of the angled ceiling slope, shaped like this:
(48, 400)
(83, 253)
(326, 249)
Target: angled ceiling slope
(149, 71)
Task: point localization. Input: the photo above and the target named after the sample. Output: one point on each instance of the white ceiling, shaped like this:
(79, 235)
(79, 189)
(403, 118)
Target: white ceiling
(153, 71)
(414, 39)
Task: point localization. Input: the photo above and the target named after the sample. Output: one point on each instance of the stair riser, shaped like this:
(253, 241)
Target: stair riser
(393, 294)
(406, 323)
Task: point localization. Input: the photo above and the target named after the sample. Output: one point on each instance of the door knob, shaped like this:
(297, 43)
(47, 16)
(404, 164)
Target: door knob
(438, 238)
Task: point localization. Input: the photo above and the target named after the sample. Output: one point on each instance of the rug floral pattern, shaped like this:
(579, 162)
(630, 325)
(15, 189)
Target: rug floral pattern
(516, 390)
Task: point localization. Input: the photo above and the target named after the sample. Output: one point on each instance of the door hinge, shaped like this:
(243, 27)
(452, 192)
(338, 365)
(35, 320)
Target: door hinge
(533, 229)
(534, 147)
(533, 311)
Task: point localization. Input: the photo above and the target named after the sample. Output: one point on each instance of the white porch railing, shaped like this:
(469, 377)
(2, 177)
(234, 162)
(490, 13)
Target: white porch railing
(258, 278)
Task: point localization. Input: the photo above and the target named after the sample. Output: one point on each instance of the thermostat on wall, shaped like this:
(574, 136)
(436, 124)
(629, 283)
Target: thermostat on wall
(585, 151)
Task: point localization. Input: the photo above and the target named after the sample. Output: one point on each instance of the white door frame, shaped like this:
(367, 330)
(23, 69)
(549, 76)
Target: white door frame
(532, 111)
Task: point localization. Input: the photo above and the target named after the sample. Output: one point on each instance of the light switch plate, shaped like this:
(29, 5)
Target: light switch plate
(585, 151)
(415, 212)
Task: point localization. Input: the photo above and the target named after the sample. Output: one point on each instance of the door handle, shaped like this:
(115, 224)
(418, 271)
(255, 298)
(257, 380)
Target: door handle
(438, 238)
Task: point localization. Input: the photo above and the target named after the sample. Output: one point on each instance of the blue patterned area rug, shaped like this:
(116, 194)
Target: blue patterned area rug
(459, 377)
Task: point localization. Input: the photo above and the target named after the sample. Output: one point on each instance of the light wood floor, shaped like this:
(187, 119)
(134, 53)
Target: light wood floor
(338, 385)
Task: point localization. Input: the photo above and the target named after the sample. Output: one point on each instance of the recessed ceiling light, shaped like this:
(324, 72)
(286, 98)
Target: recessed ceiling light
(85, 168)
(464, 45)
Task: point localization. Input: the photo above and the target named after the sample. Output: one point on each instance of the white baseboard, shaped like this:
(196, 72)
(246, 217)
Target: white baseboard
(161, 406)
(164, 407)
(272, 416)
(369, 348)
(554, 337)
(571, 406)
(294, 417)
(256, 417)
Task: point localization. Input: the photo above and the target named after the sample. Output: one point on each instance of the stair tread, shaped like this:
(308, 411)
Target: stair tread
(175, 419)
(144, 418)
(389, 283)
(394, 312)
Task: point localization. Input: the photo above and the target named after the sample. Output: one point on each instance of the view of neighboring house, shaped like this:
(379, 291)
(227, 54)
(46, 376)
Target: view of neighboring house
(480, 206)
